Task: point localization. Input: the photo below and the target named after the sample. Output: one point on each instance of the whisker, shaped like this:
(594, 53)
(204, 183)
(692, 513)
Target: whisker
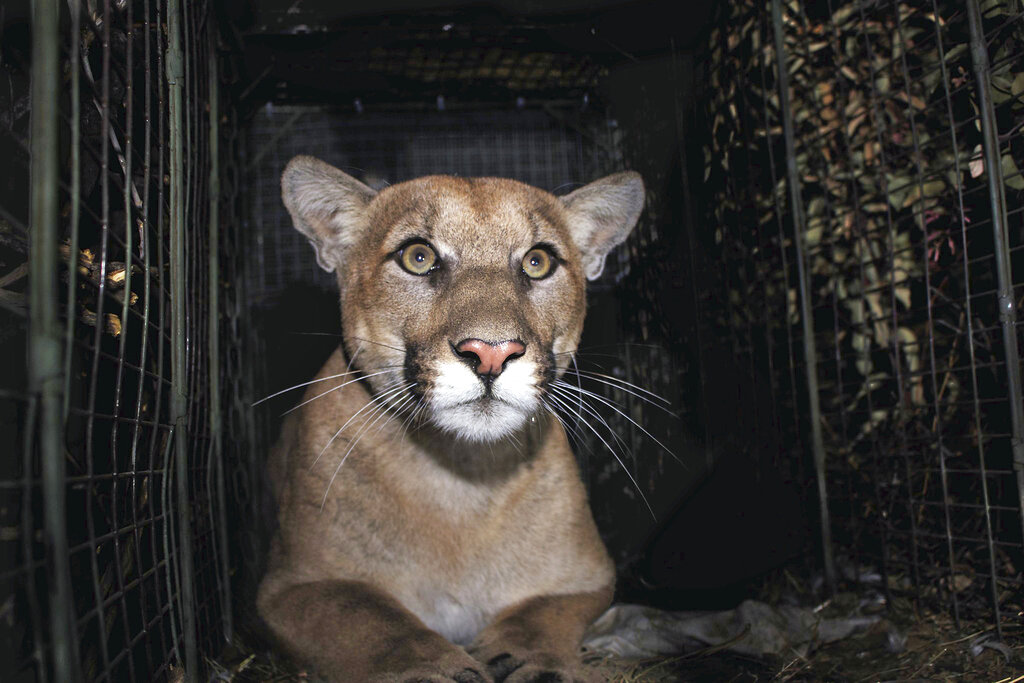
(578, 399)
(590, 357)
(622, 465)
(613, 381)
(614, 345)
(396, 410)
(578, 414)
(352, 360)
(344, 384)
(578, 380)
(421, 411)
(412, 416)
(377, 343)
(618, 440)
(562, 387)
(381, 410)
(516, 443)
(584, 392)
(564, 403)
(395, 388)
(618, 387)
(378, 411)
(573, 431)
(305, 384)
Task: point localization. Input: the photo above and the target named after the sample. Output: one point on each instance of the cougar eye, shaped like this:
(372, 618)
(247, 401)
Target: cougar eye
(538, 263)
(418, 258)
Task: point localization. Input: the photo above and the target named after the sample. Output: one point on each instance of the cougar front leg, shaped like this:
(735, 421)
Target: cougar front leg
(539, 639)
(351, 631)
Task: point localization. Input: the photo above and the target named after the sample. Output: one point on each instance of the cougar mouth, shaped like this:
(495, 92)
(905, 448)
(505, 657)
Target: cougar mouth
(474, 406)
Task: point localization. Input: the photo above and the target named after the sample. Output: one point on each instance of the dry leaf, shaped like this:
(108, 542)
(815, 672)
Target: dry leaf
(977, 163)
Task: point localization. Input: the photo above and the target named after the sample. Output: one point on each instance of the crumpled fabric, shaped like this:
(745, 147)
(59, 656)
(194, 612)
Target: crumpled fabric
(754, 629)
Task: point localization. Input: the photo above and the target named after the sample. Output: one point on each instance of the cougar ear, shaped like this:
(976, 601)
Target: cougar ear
(601, 216)
(327, 206)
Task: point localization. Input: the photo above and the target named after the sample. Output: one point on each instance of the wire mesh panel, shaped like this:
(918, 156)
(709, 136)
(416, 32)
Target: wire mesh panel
(114, 570)
(883, 247)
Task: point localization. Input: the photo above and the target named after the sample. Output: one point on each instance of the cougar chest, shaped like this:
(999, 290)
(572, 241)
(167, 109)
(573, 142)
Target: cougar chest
(486, 578)
(468, 568)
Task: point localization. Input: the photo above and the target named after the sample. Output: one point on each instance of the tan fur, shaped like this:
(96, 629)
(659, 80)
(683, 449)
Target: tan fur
(404, 529)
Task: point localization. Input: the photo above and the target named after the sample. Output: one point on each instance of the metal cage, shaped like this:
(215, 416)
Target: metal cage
(826, 281)
(866, 202)
(115, 564)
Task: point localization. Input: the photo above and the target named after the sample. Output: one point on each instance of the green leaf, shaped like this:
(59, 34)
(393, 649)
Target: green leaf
(1011, 174)
(898, 188)
(954, 52)
(1002, 87)
(1018, 90)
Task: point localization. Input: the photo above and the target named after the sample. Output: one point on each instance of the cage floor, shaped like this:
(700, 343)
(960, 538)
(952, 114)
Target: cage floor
(933, 650)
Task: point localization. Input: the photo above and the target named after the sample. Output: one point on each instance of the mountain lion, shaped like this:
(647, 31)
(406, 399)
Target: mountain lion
(432, 522)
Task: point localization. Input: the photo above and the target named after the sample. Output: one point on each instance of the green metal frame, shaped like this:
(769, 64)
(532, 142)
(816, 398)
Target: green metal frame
(1004, 273)
(810, 352)
(179, 367)
(216, 436)
(46, 385)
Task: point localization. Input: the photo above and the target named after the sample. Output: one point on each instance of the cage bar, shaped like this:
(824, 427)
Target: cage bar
(44, 360)
(177, 132)
(1004, 273)
(74, 56)
(810, 352)
(218, 490)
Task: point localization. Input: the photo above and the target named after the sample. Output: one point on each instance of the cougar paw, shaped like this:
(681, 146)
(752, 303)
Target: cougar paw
(450, 667)
(533, 667)
(464, 676)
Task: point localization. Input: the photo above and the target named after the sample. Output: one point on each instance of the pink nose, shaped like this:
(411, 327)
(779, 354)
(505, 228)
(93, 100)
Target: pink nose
(490, 357)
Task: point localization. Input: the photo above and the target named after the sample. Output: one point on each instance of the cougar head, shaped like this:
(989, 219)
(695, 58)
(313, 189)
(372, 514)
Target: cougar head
(460, 297)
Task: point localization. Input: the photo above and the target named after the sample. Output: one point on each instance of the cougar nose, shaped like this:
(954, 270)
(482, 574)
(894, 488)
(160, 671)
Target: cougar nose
(489, 358)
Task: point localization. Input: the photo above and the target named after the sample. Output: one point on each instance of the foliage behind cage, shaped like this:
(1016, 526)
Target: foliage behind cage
(114, 564)
(882, 172)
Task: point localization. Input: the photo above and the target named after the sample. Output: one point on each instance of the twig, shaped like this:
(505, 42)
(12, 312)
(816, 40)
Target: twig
(960, 640)
(799, 658)
(876, 674)
(14, 275)
(721, 646)
(929, 662)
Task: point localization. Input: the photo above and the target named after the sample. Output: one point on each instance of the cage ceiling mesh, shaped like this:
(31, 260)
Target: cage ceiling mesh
(430, 60)
(471, 61)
